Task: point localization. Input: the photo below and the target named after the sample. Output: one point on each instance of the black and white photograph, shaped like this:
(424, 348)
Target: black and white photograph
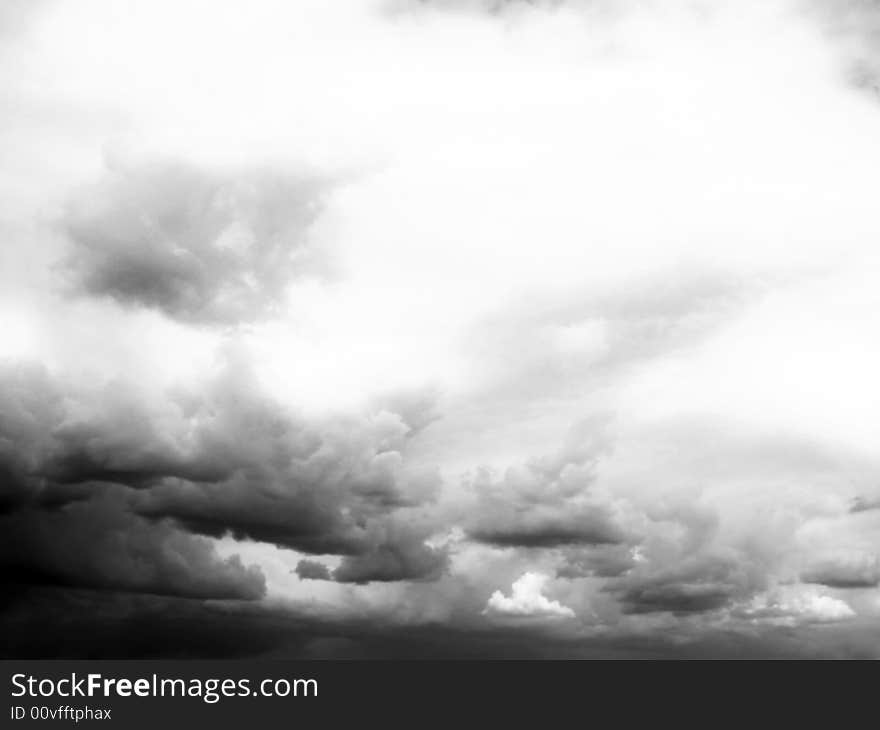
(439, 330)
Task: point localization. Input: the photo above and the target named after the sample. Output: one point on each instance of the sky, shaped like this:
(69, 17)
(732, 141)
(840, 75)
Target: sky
(460, 328)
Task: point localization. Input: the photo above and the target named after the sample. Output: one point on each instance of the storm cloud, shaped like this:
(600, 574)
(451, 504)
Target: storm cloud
(99, 544)
(225, 462)
(845, 571)
(547, 502)
(463, 328)
(200, 246)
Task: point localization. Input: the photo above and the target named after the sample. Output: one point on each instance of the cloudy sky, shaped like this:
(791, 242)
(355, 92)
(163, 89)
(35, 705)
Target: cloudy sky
(440, 328)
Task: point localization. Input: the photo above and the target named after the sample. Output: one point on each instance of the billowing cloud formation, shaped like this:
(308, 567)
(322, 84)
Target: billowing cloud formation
(527, 600)
(396, 557)
(403, 556)
(693, 586)
(199, 246)
(338, 486)
(576, 212)
(547, 502)
(64, 523)
(226, 461)
(99, 544)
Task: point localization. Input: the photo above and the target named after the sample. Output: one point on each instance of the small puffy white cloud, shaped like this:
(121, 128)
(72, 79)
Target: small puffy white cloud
(791, 605)
(527, 599)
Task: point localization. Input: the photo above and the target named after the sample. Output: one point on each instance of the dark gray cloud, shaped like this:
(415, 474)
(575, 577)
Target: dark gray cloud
(682, 568)
(64, 522)
(400, 557)
(512, 527)
(853, 571)
(864, 504)
(65, 519)
(312, 570)
(99, 544)
(55, 438)
(693, 585)
(341, 486)
(226, 461)
(200, 246)
(30, 406)
(547, 502)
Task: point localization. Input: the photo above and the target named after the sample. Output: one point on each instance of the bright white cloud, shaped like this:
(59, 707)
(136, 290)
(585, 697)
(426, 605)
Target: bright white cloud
(527, 600)
(790, 605)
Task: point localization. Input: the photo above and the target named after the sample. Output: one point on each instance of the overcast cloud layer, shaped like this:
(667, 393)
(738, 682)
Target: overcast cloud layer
(440, 328)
